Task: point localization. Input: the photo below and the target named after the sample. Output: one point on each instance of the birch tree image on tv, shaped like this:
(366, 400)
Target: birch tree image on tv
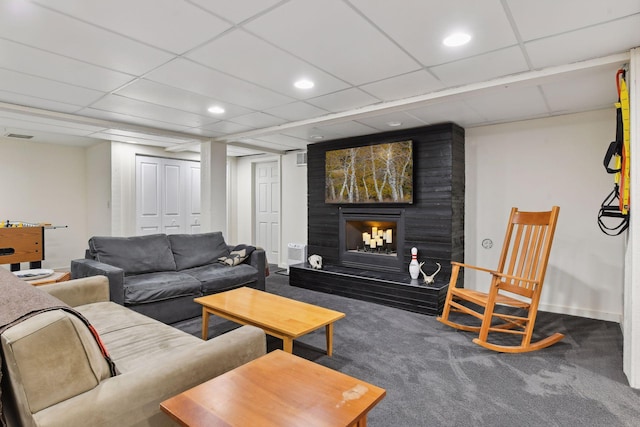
(381, 173)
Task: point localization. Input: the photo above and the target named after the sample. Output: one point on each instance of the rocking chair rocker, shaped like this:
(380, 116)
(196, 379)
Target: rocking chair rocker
(515, 288)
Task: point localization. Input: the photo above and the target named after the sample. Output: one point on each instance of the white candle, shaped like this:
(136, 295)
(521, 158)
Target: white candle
(380, 233)
(372, 243)
(374, 231)
(366, 238)
(389, 237)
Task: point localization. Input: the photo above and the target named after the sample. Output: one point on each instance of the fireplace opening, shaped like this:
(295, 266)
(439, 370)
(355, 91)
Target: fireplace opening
(372, 238)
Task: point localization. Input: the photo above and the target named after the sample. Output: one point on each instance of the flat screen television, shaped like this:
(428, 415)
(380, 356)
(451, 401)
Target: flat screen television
(377, 173)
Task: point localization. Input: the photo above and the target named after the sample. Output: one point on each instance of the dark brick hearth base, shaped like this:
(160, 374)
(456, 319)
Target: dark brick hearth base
(391, 289)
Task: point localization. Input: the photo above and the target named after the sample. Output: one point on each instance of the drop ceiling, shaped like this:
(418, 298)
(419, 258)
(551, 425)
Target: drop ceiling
(146, 71)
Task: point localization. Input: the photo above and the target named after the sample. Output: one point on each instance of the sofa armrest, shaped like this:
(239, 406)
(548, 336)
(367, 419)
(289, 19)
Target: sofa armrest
(82, 291)
(88, 267)
(133, 398)
(258, 259)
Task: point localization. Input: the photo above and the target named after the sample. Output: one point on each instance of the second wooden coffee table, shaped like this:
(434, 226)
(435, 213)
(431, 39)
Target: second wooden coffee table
(278, 316)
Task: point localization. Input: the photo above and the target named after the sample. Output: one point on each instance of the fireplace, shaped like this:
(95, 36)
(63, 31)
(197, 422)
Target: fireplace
(371, 238)
(433, 223)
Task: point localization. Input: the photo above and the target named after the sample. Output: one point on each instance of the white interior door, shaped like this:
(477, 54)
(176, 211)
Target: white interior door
(167, 196)
(267, 207)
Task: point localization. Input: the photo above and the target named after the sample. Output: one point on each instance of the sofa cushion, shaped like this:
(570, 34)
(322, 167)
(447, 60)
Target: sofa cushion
(219, 277)
(51, 357)
(152, 287)
(135, 255)
(194, 250)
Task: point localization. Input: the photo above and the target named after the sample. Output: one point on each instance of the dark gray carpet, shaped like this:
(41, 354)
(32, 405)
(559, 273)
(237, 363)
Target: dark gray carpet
(435, 375)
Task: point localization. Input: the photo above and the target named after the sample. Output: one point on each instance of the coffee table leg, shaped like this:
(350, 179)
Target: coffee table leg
(287, 345)
(205, 324)
(329, 333)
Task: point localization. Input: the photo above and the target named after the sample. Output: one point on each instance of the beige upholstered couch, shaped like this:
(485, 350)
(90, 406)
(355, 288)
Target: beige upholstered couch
(58, 377)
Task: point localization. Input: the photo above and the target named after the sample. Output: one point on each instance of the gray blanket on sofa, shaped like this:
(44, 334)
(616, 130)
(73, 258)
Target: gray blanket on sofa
(20, 301)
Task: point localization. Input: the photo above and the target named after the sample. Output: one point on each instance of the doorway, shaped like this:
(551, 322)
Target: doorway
(267, 208)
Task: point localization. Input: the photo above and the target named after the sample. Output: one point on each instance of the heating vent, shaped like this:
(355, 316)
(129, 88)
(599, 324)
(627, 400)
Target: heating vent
(296, 253)
(301, 159)
(17, 135)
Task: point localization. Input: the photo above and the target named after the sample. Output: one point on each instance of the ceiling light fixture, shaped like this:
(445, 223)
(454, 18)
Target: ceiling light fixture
(216, 110)
(304, 84)
(456, 39)
(394, 124)
(316, 136)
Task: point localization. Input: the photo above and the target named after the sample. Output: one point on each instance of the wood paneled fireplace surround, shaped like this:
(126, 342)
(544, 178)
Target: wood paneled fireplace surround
(433, 223)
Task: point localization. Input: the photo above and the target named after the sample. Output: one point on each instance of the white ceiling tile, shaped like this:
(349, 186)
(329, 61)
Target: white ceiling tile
(297, 111)
(618, 36)
(161, 94)
(482, 67)
(509, 104)
(345, 129)
(135, 108)
(27, 60)
(132, 139)
(50, 136)
(225, 127)
(120, 117)
(238, 10)
(43, 126)
(75, 39)
(258, 120)
(82, 128)
(343, 100)
(196, 78)
(420, 26)
(274, 144)
(332, 36)
(36, 102)
(252, 59)
(176, 26)
(381, 122)
(569, 95)
(542, 18)
(38, 87)
(404, 86)
(454, 111)
(286, 141)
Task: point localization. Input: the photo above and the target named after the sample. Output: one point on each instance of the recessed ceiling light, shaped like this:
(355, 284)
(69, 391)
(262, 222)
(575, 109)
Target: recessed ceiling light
(456, 39)
(304, 84)
(394, 124)
(316, 137)
(216, 110)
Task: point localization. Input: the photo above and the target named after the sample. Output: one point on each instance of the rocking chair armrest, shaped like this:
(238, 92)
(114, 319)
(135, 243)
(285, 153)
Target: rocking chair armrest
(473, 267)
(512, 277)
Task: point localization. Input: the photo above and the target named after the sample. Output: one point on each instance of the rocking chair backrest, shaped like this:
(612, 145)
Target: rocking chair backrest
(526, 249)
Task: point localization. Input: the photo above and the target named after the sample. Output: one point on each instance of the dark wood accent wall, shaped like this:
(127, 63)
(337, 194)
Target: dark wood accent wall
(434, 223)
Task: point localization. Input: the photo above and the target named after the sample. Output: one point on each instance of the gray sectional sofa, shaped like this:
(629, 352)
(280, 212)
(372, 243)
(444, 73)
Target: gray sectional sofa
(55, 373)
(159, 275)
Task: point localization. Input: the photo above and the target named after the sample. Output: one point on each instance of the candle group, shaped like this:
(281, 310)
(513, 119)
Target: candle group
(377, 238)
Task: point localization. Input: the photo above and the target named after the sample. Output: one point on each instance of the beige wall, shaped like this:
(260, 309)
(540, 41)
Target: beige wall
(534, 165)
(46, 183)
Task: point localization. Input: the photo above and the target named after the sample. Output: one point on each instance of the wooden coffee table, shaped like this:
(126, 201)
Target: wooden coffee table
(278, 316)
(276, 390)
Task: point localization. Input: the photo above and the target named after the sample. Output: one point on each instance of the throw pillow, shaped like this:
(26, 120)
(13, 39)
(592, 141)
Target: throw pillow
(237, 255)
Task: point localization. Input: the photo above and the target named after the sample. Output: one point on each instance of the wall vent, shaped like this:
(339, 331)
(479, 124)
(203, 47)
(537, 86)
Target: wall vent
(17, 135)
(296, 254)
(301, 159)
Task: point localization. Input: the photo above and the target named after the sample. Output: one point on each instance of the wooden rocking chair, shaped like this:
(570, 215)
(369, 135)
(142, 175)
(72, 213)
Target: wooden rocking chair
(515, 285)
